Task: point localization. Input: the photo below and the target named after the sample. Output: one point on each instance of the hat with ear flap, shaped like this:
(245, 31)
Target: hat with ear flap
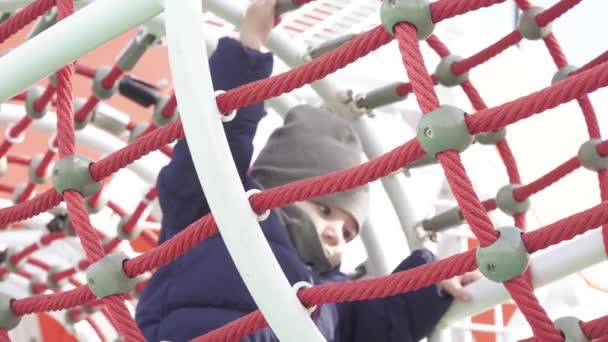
(313, 142)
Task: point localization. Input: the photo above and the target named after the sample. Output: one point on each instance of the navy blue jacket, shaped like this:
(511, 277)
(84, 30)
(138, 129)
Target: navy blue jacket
(202, 290)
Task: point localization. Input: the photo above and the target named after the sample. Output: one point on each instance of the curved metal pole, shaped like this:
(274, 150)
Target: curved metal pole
(244, 239)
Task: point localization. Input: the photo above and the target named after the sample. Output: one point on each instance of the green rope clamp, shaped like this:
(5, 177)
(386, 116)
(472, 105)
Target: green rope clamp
(571, 329)
(33, 167)
(157, 116)
(137, 131)
(444, 129)
(8, 320)
(507, 203)
(382, 96)
(563, 73)
(98, 89)
(444, 74)
(135, 50)
(107, 276)
(415, 12)
(442, 221)
(590, 158)
(72, 173)
(528, 27)
(79, 102)
(133, 234)
(32, 95)
(506, 258)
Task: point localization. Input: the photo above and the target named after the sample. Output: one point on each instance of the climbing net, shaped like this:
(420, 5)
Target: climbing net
(82, 191)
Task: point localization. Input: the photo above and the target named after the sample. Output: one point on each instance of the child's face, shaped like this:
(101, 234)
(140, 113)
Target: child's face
(335, 227)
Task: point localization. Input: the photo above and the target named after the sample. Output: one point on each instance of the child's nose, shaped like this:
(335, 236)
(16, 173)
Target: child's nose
(333, 234)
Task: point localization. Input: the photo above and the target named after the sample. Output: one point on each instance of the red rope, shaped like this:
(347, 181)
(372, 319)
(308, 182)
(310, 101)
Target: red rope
(555, 11)
(111, 78)
(523, 294)
(22, 18)
(486, 54)
(52, 302)
(45, 98)
(416, 70)
(571, 88)
(596, 328)
(524, 192)
(315, 70)
(30, 208)
(555, 51)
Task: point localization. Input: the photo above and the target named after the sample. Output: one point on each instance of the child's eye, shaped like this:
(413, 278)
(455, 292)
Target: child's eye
(348, 234)
(325, 210)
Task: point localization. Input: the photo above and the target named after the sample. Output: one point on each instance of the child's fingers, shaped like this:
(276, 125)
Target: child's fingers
(453, 287)
(470, 277)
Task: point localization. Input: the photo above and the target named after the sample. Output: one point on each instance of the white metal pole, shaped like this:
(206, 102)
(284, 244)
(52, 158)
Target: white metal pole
(217, 173)
(547, 267)
(69, 39)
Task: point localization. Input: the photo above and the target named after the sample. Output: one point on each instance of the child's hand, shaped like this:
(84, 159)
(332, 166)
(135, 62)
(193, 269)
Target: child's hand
(455, 286)
(258, 22)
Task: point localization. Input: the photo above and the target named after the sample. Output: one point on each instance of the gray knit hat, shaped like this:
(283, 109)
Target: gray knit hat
(311, 143)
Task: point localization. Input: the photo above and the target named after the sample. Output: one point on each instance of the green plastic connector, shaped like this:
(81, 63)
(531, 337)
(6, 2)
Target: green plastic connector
(157, 116)
(444, 74)
(98, 89)
(72, 173)
(137, 131)
(8, 320)
(508, 204)
(563, 73)
(133, 234)
(590, 158)
(78, 104)
(382, 96)
(9, 264)
(330, 45)
(444, 129)
(52, 284)
(443, 221)
(571, 329)
(46, 20)
(136, 49)
(33, 167)
(528, 27)
(491, 138)
(284, 6)
(32, 95)
(506, 258)
(19, 189)
(415, 12)
(107, 276)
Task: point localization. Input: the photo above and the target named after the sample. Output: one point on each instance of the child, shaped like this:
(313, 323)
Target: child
(202, 290)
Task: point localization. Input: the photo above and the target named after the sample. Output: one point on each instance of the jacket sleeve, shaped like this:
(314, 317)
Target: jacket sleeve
(180, 194)
(407, 317)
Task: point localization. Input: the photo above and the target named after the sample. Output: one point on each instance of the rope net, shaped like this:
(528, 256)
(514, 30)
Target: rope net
(81, 301)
